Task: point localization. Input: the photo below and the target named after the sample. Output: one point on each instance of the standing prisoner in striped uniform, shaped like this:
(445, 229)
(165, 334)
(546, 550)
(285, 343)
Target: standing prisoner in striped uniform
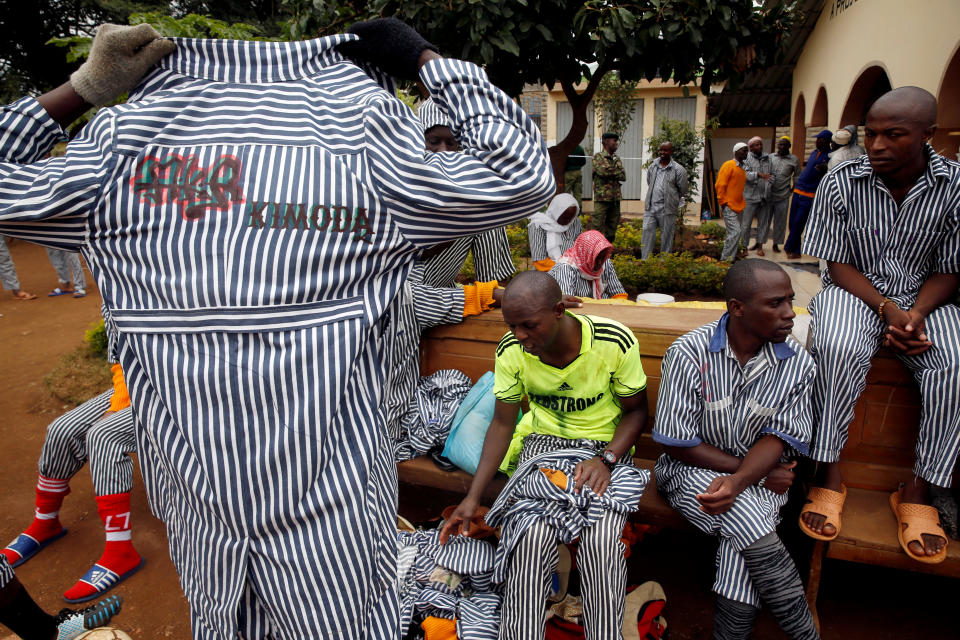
(574, 476)
(490, 248)
(888, 225)
(249, 215)
(733, 409)
(100, 431)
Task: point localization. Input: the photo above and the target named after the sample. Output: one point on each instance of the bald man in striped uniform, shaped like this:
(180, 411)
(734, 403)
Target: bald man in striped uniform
(734, 407)
(888, 225)
(249, 215)
(490, 249)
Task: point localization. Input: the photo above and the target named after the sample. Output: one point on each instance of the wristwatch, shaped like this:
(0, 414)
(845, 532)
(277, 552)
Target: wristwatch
(609, 458)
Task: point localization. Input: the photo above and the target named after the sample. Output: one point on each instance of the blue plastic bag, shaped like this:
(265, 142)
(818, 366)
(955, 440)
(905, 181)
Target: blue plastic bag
(465, 442)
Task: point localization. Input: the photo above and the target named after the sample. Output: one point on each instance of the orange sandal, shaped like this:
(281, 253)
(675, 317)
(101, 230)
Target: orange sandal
(827, 503)
(914, 520)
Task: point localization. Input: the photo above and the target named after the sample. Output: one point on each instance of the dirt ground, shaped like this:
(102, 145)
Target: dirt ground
(856, 602)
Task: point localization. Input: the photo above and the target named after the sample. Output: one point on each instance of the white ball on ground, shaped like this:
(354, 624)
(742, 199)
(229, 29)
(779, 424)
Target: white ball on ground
(105, 633)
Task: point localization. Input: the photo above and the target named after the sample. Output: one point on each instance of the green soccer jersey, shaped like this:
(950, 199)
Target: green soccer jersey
(580, 400)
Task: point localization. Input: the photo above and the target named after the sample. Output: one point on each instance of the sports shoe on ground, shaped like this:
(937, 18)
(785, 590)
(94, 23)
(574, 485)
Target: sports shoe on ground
(70, 623)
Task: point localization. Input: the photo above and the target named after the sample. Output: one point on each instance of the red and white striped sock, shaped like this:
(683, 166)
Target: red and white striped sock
(119, 555)
(46, 523)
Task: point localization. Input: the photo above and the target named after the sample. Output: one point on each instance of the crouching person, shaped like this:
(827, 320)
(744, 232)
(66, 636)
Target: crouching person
(574, 476)
(734, 404)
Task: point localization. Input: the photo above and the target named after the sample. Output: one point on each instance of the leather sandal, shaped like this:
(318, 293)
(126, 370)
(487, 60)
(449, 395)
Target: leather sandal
(915, 520)
(827, 503)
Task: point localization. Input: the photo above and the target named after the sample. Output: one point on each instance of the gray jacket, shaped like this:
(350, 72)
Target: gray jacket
(674, 186)
(757, 189)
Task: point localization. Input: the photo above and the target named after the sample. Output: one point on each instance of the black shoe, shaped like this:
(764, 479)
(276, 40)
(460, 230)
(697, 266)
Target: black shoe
(756, 245)
(70, 623)
(776, 249)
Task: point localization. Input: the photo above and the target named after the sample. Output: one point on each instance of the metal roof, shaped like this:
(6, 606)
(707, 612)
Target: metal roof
(762, 97)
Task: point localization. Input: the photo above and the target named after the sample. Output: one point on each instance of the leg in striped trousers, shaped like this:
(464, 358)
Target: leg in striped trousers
(846, 335)
(603, 579)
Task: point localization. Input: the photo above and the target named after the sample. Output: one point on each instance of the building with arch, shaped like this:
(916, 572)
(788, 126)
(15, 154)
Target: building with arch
(859, 49)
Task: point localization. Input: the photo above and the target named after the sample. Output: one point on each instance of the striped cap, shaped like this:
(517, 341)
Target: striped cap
(431, 115)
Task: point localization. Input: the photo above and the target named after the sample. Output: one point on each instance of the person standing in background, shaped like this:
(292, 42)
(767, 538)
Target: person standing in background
(666, 186)
(573, 174)
(803, 190)
(608, 173)
(756, 193)
(786, 168)
(729, 186)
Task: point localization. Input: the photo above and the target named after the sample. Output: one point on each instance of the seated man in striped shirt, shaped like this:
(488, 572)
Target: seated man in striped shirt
(734, 406)
(573, 475)
(888, 225)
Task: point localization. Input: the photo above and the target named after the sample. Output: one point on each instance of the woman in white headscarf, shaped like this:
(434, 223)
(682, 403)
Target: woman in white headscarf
(553, 232)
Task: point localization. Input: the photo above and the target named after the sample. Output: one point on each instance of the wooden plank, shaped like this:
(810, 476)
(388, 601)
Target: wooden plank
(869, 535)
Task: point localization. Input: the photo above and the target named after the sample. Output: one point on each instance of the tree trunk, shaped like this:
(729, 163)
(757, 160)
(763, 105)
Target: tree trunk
(578, 129)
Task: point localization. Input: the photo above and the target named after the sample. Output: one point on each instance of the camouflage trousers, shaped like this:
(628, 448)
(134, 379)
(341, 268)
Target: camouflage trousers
(606, 217)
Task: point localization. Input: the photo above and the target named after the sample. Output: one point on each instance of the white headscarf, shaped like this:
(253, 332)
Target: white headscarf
(548, 222)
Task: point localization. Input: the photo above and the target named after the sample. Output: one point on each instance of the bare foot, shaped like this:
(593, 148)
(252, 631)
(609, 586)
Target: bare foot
(917, 492)
(828, 478)
(20, 294)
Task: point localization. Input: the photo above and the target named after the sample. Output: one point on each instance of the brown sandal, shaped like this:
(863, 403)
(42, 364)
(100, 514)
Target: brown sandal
(915, 520)
(827, 503)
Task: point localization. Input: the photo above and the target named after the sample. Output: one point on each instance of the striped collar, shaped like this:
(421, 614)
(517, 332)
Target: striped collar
(718, 342)
(936, 167)
(242, 61)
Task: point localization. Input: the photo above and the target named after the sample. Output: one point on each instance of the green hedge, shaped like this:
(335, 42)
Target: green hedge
(672, 273)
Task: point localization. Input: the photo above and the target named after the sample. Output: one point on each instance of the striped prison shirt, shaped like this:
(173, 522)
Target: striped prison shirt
(573, 284)
(249, 214)
(855, 220)
(491, 259)
(707, 397)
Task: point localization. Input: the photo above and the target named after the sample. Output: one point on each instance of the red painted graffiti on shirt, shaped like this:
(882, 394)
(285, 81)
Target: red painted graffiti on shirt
(181, 179)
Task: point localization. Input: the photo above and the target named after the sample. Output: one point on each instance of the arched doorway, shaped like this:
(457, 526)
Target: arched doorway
(818, 117)
(872, 83)
(947, 139)
(799, 126)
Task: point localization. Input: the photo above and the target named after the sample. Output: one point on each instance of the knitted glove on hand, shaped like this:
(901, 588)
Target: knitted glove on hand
(389, 44)
(119, 57)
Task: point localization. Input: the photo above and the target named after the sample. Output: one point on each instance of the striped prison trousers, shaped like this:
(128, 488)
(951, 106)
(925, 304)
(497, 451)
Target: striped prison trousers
(80, 435)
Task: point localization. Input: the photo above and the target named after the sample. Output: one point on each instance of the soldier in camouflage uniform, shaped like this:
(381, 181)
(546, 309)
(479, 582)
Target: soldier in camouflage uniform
(608, 173)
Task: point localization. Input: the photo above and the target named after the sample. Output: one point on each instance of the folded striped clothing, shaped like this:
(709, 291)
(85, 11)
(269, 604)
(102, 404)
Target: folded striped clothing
(426, 424)
(542, 488)
(449, 581)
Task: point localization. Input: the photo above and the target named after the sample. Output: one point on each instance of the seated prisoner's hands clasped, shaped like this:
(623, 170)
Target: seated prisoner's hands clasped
(459, 520)
(780, 478)
(592, 473)
(389, 44)
(906, 331)
(119, 56)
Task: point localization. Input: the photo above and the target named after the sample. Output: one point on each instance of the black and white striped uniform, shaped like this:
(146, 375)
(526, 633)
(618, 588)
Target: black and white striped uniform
(856, 221)
(6, 571)
(538, 239)
(249, 215)
(491, 259)
(80, 435)
(417, 307)
(536, 513)
(572, 283)
(707, 397)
